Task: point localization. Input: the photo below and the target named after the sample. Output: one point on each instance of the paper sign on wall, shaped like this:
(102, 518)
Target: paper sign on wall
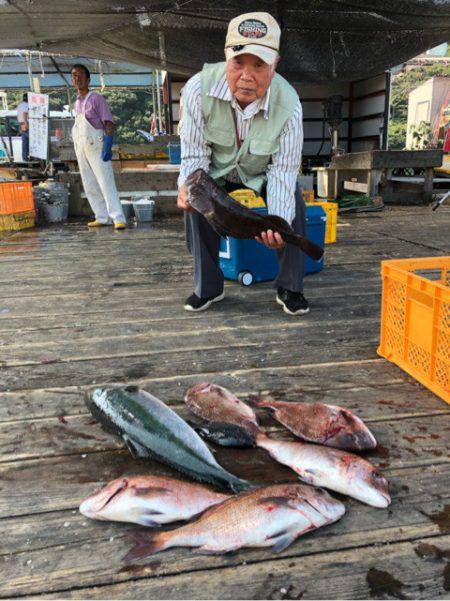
(38, 124)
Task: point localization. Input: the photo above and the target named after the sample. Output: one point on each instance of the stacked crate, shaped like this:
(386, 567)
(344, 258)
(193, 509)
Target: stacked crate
(16, 206)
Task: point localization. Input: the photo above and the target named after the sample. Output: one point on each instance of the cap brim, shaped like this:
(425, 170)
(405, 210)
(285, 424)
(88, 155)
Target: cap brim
(268, 55)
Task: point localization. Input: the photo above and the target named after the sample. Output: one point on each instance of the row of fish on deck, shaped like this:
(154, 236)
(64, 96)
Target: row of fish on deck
(256, 516)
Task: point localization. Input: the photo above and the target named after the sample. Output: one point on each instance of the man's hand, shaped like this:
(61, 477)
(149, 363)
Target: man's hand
(107, 148)
(271, 239)
(182, 200)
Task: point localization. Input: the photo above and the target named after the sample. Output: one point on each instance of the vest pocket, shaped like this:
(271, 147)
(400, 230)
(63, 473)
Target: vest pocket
(221, 142)
(259, 155)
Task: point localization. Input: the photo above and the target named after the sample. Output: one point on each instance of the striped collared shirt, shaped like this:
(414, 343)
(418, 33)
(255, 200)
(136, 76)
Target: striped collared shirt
(283, 169)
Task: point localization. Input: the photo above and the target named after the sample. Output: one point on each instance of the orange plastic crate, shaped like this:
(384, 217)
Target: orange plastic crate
(415, 319)
(16, 197)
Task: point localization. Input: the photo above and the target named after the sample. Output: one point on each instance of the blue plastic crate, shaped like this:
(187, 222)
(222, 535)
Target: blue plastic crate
(174, 150)
(248, 261)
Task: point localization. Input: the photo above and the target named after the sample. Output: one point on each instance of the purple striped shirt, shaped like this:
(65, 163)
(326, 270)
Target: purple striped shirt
(97, 110)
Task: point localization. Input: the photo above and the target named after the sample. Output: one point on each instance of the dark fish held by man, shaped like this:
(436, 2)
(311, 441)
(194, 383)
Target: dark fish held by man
(229, 218)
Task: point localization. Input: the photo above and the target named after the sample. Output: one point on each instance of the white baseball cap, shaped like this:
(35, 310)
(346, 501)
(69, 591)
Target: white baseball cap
(253, 33)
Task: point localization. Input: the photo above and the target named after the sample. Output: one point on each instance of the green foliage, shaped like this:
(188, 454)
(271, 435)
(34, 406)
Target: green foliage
(131, 109)
(402, 85)
(421, 135)
(397, 134)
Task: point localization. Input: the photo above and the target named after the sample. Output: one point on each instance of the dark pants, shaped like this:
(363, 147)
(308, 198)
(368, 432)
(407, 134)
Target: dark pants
(203, 243)
(25, 145)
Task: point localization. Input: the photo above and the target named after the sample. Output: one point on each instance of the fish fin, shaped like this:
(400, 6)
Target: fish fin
(284, 541)
(146, 544)
(238, 485)
(135, 448)
(278, 501)
(144, 521)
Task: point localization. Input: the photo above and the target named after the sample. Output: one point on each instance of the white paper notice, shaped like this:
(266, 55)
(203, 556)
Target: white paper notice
(38, 124)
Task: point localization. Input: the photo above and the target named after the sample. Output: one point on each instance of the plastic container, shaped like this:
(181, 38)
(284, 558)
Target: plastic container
(127, 208)
(143, 209)
(17, 221)
(415, 319)
(54, 201)
(174, 150)
(248, 198)
(248, 261)
(308, 195)
(331, 209)
(16, 197)
(54, 212)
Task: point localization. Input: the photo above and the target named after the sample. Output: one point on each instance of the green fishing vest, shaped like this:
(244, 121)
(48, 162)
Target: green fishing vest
(254, 155)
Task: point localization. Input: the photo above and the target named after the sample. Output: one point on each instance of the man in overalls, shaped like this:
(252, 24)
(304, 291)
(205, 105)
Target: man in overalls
(242, 123)
(92, 135)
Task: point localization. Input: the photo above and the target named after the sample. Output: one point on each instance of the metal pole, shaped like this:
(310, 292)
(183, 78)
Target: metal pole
(159, 101)
(153, 94)
(387, 109)
(30, 72)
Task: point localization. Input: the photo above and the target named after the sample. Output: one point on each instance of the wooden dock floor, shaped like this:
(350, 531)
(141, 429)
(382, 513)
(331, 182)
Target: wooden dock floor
(80, 308)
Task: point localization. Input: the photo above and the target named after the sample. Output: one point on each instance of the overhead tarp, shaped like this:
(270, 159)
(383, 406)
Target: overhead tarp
(322, 40)
(54, 71)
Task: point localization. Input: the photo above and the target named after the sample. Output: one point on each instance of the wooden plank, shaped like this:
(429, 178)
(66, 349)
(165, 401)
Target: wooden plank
(388, 159)
(241, 330)
(374, 390)
(398, 392)
(417, 494)
(75, 555)
(257, 582)
(409, 570)
(75, 312)
(192, 360)
(54, 456)
(401, 442)
(356, 187)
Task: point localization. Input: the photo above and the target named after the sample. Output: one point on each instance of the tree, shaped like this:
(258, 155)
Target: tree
(131, 110)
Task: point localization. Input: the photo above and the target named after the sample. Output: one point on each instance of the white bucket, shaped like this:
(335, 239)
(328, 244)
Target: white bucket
(143, 209)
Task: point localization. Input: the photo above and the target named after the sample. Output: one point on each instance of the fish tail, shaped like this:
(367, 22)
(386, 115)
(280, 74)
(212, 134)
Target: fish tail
(237, 485)
(148, 544)
(310, 248)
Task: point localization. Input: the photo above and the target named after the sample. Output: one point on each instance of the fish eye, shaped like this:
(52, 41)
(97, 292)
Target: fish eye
(131, 388)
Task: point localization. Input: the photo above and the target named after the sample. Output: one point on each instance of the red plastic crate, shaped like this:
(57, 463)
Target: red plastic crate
(16, 197)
